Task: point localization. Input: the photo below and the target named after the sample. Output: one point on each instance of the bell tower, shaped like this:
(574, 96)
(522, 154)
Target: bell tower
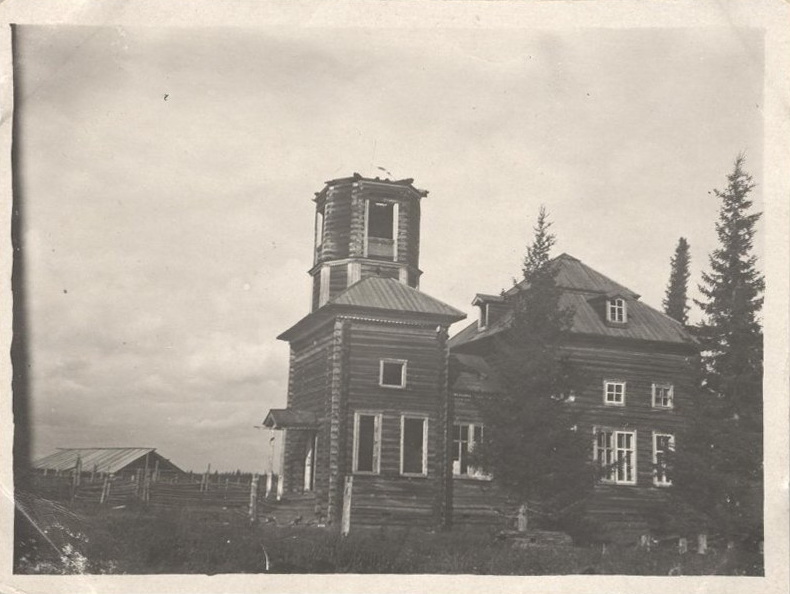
(365, 227)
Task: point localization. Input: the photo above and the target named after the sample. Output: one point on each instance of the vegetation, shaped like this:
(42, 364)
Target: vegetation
(531, 415)
(676, 300)
(718, 471)
(129, 541)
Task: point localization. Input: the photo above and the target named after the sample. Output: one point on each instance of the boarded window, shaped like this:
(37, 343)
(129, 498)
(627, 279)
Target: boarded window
(380, 219)
(367, 440)
(392, 373)
(413, 437)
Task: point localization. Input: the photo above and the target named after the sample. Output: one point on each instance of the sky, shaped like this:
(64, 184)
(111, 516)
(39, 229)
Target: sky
(167, 177)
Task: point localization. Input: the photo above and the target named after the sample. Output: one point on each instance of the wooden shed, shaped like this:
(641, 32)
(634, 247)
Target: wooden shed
(113, 461)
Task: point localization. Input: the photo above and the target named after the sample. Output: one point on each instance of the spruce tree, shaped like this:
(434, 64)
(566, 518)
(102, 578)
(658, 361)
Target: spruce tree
(676, 301)
(531, 443)
(718, 468)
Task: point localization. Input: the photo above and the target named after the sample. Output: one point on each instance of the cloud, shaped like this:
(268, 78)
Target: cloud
(167, 241)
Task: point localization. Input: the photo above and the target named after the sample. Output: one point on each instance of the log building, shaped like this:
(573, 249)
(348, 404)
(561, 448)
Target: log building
(379, 393)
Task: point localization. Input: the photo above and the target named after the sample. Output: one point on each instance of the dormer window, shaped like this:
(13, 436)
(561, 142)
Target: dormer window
(482, 323)
(616, 311)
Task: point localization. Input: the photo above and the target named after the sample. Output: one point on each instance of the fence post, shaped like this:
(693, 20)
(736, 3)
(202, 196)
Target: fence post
(521, 522)
(280, 487)
(254, 498)
(268, 484)
(683, 545)
(93, 473)
(702, 544)
(105, 490)
(345, 520)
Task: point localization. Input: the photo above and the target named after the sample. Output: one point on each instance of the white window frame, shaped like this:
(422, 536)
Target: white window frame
(614, 478)
(395, 226)
(404, 364)
(661, 481)
(482, 322)
(671, 393)
(376, 442)
(424, 420)
(618, 307)
(606, 384)
(320, 226)
(472, 472)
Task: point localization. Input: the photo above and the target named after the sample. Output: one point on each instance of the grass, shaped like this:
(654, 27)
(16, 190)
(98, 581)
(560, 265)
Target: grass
(135, 541)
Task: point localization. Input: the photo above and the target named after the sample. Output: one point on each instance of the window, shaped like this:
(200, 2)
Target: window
(380, 219)
(614, 393)
(381, 223)
(615, 451)
(367, 442)
(482, 323)
(663, 395)
(392, 373)
(615, 310)
(466, 436)
(413, 441)
(319, 227)
(662, 444)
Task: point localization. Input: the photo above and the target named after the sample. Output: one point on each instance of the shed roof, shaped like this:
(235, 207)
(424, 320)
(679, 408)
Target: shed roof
(585, 288)
(104, 459)
(289, 418)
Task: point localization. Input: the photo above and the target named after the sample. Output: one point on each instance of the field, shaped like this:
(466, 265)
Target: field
(139, 540)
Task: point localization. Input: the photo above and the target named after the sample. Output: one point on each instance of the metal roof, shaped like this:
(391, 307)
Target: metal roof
(385, 293)
(104, 459)
(289, 418)
(572, 273)
(585, 292)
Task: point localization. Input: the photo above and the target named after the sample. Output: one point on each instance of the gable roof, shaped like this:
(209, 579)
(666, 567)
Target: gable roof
(103, 459)
(378, 295)
(289, 418)
(584, 291)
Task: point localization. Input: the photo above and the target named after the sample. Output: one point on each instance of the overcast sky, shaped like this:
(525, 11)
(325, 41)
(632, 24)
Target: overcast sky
(167, 177)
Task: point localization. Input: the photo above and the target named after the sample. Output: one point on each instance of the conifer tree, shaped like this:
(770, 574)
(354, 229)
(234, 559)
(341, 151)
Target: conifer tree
(718, 468)
(531, 444)
(676, 300)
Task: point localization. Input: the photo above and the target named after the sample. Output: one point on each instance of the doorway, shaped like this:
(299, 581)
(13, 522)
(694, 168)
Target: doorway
(309, 462)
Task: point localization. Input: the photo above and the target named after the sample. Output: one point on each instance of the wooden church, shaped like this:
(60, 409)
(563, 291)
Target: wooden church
(381, 414)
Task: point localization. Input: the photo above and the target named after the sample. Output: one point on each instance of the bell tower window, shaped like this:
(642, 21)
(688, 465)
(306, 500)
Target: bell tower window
(319, 232)
(381, 223)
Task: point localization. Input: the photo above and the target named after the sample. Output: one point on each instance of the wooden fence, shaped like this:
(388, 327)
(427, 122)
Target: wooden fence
(229, 490)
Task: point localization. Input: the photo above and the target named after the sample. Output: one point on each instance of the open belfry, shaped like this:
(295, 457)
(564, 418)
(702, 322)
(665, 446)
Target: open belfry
(368, 382)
